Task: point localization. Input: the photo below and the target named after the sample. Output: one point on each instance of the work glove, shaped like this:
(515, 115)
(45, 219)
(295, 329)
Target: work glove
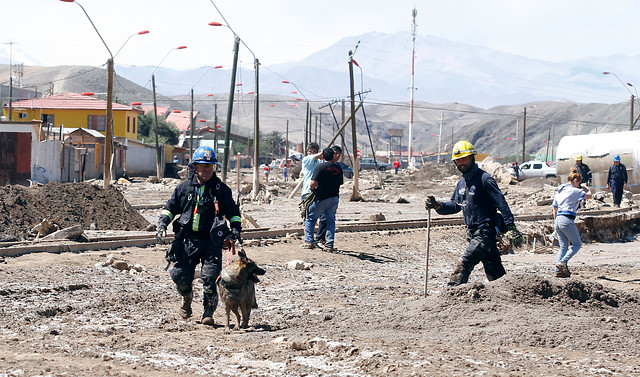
(514, 235)
(233, 236)
(161, 234)
(431, 202)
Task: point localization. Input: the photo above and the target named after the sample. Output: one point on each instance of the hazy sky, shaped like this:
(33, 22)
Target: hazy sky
(52, 32)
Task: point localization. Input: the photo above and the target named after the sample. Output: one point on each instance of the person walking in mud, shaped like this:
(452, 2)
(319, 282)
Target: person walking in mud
(204, 204)
(565, 207)
(478, 196)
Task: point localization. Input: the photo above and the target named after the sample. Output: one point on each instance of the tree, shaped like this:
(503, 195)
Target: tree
(273, 144)
(168, 133)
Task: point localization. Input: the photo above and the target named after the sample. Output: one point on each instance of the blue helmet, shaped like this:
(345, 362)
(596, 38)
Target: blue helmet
(204, 155)
(616, 157)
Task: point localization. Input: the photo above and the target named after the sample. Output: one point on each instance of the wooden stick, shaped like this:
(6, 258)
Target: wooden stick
(426, 274)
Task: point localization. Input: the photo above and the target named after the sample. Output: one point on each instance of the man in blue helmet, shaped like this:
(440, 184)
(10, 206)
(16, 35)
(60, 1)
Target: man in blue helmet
(478, 196)
(617, 180)
(204, 204)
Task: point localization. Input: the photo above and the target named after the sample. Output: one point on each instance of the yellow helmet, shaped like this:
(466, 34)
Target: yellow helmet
(579, 157)
(462, 149)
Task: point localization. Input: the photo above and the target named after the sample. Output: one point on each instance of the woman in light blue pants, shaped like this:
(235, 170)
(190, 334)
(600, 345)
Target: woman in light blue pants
(565, 206)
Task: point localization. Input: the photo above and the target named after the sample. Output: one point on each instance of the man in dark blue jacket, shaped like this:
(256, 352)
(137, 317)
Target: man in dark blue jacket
(204, 204)
(478, 196)
(617, 180)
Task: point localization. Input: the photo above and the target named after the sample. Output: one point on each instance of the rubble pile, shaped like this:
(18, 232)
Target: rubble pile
(93, 207)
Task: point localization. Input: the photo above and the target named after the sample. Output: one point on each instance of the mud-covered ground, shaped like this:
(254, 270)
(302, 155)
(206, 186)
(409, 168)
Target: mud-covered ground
(359, 312)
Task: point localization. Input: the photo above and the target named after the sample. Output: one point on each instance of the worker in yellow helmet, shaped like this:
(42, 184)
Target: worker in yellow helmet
(584, 170)
(478, 196)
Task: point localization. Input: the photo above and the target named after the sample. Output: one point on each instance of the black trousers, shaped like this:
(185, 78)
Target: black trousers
(208, 252)
(482, 248)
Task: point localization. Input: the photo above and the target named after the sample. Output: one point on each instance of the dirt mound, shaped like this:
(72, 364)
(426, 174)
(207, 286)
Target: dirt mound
(536, 290)
(22, 208)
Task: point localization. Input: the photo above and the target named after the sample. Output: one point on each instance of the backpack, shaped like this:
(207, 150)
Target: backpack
(306, 203)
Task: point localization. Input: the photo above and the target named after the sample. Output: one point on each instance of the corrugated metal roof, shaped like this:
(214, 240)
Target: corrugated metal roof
(68, 101)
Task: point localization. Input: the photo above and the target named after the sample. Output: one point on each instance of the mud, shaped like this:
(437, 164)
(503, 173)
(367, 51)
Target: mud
(358, 312)
(93, 207)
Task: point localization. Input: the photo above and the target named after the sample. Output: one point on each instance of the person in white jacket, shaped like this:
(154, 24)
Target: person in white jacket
(565, 207)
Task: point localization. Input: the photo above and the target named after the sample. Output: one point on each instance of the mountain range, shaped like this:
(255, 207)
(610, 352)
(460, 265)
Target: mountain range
(476, 93)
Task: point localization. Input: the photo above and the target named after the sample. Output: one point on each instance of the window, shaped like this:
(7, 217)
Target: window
(128, 124)
(96, 122)
(537, 166)
(22, 115)
(134, 124)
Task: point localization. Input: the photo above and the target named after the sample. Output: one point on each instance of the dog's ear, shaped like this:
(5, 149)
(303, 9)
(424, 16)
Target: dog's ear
(243, 256)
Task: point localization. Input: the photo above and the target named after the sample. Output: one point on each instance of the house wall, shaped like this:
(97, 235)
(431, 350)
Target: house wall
(78, 118)
(141, 160)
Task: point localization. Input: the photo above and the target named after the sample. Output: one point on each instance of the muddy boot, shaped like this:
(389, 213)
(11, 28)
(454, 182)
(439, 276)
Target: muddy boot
(460, 275)
(185, 309)
(563, 270)
(210, 304)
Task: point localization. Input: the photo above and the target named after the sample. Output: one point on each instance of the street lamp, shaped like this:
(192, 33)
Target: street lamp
(256, 121)
(632, 122)
(191, 124)
(108, 145)
(155, 113)
(143, 32)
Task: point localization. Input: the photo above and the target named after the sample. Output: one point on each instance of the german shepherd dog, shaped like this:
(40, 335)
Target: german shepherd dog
(236, 289)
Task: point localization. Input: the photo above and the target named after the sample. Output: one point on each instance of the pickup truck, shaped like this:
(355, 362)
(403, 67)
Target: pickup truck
(536, 169)
(369, 163)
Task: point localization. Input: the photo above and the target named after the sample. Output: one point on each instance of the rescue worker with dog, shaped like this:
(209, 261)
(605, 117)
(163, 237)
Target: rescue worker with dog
(478, 196)
(204, 204)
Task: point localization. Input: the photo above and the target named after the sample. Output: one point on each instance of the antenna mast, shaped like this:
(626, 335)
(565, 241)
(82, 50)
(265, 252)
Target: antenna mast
(414, 13)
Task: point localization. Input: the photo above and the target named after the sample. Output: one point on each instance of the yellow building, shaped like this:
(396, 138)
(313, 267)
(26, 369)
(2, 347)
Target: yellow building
(74, 110)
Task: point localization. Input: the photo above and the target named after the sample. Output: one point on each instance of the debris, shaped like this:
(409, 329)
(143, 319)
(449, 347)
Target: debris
(377, 217)
(298, 265)
(70, 233)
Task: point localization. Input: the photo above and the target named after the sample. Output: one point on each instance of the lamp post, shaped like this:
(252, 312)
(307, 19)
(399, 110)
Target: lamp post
(143, 32)
(108, 145)
(155, 114)
(632, 122)
(256, 120)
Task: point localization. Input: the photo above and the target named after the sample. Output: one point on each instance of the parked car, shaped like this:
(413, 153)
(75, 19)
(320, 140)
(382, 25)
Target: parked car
(536, 169)
(347, 171)
(369, 163)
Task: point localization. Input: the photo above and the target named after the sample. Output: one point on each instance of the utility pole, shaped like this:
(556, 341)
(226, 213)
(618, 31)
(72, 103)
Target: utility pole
(306, 125)
(355, 196)
(286, 147)
(191, 127)
(155, 128)
(108, 133)
(631, 122)
(440, 137)
(414, 13)
(227, 136)
(256, 138)
(315, 136)
(524, 132)
(215, 128)
(344, 147)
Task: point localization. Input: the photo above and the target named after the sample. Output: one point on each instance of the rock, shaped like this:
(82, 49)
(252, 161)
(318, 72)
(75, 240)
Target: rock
(69, 233)
(402, 200)
(120, 265)
(298, 265)
(138, 267)
(377, 217)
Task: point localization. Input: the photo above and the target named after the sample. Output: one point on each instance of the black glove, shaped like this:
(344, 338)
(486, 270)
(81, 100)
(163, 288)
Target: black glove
(161, 234)
(514, 235)
(431, 202)
(234, 235)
